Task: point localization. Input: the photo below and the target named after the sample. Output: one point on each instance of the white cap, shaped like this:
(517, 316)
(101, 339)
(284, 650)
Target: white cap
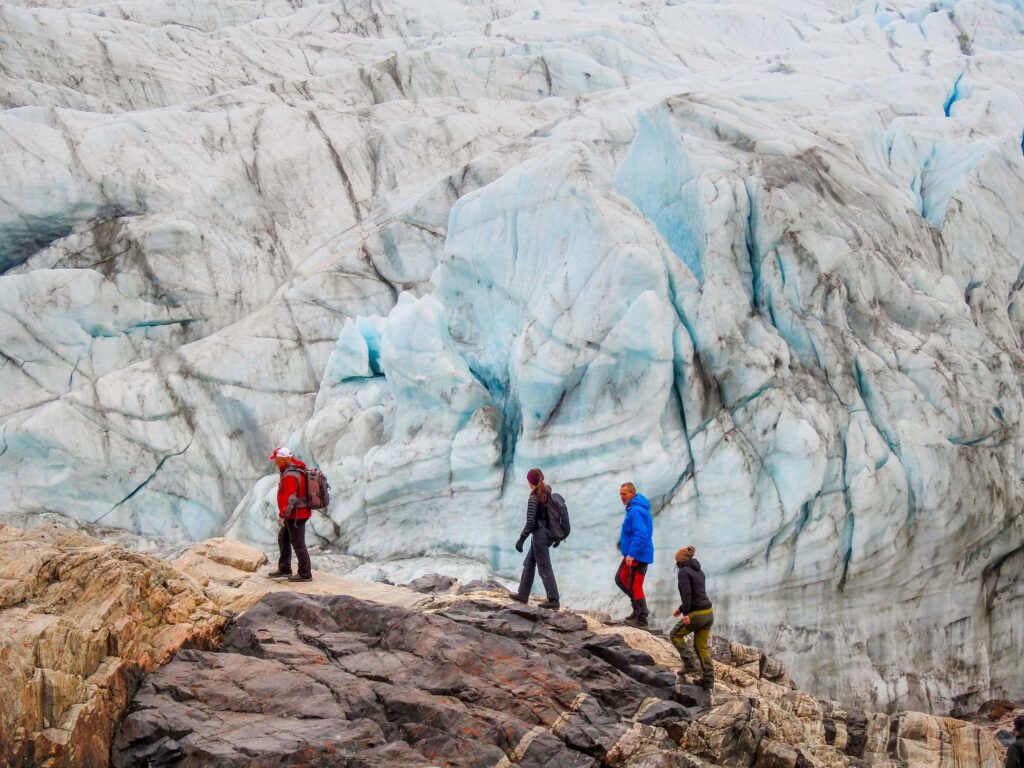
(281, 453)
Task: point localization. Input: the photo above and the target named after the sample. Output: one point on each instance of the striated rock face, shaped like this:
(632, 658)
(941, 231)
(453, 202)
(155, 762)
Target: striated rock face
(997, 716)
(334, 680)
(80, 621)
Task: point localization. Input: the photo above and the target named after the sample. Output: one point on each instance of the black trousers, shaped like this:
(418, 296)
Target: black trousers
(539, 559)
(292, 535)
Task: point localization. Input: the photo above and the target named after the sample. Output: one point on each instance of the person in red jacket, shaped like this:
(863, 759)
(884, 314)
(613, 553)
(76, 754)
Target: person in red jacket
(293, 512)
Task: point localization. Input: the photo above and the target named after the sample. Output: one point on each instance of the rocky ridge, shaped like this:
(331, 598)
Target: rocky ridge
(80, 622)
(470, 681)
(339, 672)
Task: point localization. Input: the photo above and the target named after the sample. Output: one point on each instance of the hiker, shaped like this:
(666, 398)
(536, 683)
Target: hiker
(293, 512)
(697, 618)
(636, 543)
(1015, 752)
(539, 556)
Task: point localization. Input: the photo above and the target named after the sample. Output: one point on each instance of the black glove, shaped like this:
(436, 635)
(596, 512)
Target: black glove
(519, 546)
(556, 543)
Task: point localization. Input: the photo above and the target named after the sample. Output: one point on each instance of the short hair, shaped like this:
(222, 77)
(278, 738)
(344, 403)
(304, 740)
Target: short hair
(629, 487)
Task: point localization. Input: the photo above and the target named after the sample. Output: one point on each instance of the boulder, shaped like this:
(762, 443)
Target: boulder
(431, 583)
(234, 575)
(80, 622)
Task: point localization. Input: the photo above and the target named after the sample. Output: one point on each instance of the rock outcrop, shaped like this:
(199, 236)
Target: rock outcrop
(470, 681)
(234, 576)
(997, 715)
(80, 621)
(108, 656)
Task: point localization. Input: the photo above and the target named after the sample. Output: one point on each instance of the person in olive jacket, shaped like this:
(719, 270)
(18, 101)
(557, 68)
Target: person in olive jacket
(697, 618)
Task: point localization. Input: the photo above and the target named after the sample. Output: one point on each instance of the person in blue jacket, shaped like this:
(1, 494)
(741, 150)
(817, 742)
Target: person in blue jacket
(636, 543)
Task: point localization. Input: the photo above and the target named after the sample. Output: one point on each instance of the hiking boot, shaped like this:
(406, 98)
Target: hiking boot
(638, 622)
(279, 574)
(520, 598)
(707, 685)
(552, 604)
(300, 578)
(641, 611)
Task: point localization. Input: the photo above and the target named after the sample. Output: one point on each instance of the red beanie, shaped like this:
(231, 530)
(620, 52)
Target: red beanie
(534, 476)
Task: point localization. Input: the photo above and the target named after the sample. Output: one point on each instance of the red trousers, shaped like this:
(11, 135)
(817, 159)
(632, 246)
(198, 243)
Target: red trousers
(630, 579)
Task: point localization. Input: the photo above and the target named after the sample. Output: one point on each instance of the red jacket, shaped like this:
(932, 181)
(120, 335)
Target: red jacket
(292, 483)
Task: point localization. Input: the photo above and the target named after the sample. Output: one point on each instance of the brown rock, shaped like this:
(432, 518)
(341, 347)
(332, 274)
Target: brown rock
(755, 720)
(997, 709)
(452, 676)
(233, 554)
(744, 654)
(997, 717)
(775, 754)
(234, 588)
(942, 742)
(80, 621)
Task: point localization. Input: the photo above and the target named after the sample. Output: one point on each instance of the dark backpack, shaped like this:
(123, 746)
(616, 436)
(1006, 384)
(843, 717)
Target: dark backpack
(558, 517)
(318, 490)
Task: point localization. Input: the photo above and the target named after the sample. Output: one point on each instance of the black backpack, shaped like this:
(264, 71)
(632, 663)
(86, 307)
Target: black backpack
(558, 517)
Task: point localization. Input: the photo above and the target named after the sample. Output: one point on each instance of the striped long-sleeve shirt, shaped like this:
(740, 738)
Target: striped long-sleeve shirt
(536, 516)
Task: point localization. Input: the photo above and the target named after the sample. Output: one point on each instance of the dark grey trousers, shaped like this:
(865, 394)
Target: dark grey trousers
(539, 559)
(292, 535)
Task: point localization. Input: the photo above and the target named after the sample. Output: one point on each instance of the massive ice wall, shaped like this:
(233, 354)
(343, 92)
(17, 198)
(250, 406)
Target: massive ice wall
(763, 259)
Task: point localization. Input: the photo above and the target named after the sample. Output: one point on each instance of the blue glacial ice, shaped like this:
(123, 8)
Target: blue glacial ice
(764, 260)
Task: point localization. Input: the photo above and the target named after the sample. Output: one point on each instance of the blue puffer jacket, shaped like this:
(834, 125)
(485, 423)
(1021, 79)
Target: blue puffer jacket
(636, 539)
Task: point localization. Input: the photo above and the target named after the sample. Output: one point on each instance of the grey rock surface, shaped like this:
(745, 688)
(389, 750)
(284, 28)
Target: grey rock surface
(325, 680)
(339, 681)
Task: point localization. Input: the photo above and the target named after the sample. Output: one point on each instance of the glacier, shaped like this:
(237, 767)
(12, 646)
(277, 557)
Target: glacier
(765, 260)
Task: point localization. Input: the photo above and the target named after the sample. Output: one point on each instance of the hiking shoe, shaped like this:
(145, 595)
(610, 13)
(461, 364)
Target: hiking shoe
(638, 623)
(552, 604)
(300, 578)
(683, 677)
(279, 574)
(519, 598)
